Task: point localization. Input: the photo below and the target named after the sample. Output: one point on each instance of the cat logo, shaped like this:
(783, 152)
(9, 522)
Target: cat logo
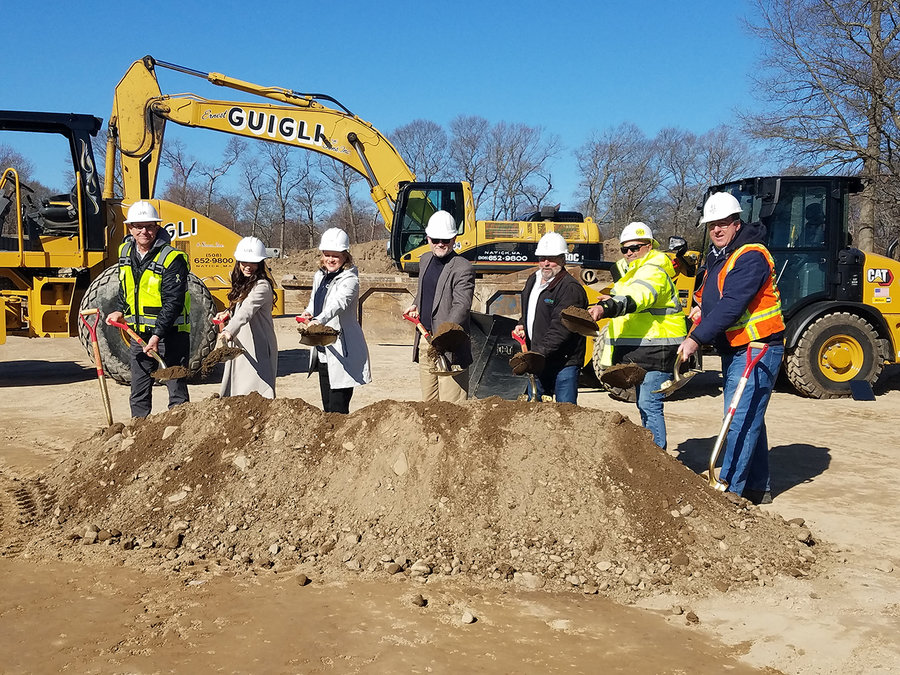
(880, 276)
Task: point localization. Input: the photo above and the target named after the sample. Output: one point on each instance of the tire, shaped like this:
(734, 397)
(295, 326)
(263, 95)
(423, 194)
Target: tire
(626, 395)
(102, 294)
(832, 351)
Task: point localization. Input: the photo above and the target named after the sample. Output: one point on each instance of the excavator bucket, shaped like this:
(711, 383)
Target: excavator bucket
(492, 347)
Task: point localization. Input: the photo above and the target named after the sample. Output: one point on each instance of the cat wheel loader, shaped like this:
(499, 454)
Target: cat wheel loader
(841, 306)
(59, 254)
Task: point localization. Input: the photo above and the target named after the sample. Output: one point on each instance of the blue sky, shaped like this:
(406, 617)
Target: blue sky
(571, 67)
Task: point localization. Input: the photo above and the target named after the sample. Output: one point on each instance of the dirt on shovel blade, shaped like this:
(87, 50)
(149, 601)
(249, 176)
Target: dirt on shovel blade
(578, 320)
(317, 335)
(449, 337)
(171, 373)
(527, 362)
(623, 375)
(219, 355)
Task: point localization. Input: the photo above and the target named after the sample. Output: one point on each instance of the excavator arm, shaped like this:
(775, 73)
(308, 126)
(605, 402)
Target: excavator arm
(140, 112)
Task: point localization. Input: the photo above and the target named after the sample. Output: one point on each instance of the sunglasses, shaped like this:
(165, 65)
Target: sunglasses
(143, 226)
(634, 248)
(440, 241)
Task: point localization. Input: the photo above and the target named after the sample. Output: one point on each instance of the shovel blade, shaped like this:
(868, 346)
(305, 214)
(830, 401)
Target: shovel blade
(674, 385)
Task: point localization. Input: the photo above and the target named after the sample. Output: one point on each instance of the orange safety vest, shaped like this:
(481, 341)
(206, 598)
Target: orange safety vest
(763, 315)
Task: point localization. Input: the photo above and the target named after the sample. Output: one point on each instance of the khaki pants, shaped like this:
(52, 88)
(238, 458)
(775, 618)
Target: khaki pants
(451, 389)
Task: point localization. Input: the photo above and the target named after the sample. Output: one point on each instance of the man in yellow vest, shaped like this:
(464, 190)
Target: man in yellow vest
(154, 301)
(740, 308)
(646, 321)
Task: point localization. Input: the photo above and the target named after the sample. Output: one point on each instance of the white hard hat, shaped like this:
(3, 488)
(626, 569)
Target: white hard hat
(250, 250)
(441, 225)
(720, 205)
(552, 243)
(634, 231)
(334, 239)
(142, 212)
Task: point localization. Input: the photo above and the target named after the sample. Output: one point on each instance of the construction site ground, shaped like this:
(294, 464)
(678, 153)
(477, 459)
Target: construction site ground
(494, 537)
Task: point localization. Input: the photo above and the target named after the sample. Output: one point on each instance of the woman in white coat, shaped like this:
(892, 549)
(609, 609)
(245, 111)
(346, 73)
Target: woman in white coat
(250, 324)
(334, 302)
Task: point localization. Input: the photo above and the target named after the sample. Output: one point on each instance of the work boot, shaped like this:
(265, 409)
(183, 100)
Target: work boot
(757, 496)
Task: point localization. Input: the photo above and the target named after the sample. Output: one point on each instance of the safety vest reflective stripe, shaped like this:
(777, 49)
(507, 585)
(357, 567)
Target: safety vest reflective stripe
(762, 317)
(145, 301)
(645, 341)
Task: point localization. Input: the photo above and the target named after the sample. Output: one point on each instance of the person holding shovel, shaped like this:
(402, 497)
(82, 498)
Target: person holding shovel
(740, 310)
(443, 296)
(646, 321)
(249, 324)
(154, 302)
(547, 293)
(344, 364)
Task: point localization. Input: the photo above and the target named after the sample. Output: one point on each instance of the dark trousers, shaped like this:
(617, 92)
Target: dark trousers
(333, 400)
(174, 349)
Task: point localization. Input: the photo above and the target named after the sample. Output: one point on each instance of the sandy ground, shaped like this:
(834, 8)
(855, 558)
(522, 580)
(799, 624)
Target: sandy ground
(834, 463)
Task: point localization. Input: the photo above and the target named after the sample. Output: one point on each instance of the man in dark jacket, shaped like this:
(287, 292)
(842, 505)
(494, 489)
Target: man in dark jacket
(546, 294)
(154, 302)
(740, 311)
(444, 295)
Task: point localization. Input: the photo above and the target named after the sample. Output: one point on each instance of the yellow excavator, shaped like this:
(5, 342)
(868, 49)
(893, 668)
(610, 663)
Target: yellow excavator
(58, 253)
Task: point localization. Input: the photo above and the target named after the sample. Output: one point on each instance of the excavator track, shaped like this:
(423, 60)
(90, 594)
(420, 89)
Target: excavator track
(21, 505)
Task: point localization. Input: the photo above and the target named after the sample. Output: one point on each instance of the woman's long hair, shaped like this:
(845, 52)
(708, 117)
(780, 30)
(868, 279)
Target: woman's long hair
(241, 285)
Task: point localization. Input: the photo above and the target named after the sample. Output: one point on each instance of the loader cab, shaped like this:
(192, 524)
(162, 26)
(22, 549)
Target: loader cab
(806, 221)
(49, 219)
(416, 203)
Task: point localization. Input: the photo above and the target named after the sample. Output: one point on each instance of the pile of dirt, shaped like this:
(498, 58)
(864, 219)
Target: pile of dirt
(370, 257)
(548, 495)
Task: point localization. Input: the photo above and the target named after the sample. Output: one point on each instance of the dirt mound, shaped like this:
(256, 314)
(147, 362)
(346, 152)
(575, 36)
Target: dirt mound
(547, 494)
(370, 257)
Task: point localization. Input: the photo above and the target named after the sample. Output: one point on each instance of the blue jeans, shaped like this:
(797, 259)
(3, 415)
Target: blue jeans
(650, 405)
(563, 385)
(745, 464)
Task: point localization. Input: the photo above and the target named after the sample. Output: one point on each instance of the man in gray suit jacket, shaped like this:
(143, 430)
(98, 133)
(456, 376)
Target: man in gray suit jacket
(445, 291)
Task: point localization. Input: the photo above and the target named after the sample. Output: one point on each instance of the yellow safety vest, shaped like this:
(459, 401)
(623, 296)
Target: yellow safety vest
(146, 303)
(659, 319)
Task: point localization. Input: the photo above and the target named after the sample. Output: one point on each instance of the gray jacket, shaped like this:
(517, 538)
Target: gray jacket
(452, 302)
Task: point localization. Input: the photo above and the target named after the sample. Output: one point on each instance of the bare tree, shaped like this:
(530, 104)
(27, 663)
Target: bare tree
(831, 77)
(254, 182)
(342, 179)
(311, 199)
(620, 173)
(180, 188)
(283, 177)
(469, 155)
(233, 151)
(423, 145)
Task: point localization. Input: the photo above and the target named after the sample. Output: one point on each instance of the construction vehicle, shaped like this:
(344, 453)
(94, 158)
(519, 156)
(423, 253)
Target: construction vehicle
(60, 252)
(841, 306)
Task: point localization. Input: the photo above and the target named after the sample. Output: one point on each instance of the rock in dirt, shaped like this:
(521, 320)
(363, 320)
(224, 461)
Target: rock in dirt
(302, 579)
(691, 619)
(419, 601)
(885, 566)
(467, 617)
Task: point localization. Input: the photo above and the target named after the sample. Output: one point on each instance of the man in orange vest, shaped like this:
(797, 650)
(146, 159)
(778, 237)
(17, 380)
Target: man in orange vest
(739, 304)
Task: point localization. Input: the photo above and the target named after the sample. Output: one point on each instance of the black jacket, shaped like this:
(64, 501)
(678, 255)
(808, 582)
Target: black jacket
(560, 346)
(174, 283)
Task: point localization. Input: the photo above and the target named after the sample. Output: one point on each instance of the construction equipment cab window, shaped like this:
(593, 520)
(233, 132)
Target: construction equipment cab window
(420, 205)
(796, 238)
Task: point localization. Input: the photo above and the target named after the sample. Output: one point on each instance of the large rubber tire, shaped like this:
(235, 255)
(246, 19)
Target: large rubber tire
(113, 346)
(627, 395)
(832, 351)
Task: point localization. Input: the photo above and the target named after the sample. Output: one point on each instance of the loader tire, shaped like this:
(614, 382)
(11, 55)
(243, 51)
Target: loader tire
(832, 351)
(113, 345)
(627, 395)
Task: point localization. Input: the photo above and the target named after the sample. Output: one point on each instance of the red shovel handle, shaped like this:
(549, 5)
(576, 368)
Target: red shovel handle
(753, 360)
(518, 338)
(419, 325)
(92, 327)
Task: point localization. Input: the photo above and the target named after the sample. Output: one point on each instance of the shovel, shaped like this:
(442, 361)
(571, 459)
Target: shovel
(679, 379)
(714, 482)
(327, 337)
(92, 329)
(530, 363)
(578, 320)
(443, 369)
(137, 338)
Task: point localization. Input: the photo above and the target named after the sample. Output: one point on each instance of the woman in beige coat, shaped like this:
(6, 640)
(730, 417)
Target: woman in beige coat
(250, 324)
